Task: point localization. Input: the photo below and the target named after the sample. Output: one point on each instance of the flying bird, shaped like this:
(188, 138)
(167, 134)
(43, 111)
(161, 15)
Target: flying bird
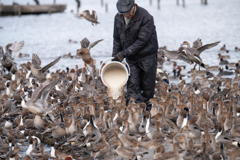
(84, 52)
(12, 47)
(197, 47)
(36, 69)
(185, 56)
(89, 17)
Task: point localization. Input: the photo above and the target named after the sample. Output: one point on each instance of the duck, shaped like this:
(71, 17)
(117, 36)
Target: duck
(221, 154)
(237, 49)
(7, 62)
(20, 55)
(36, 69)
(183, 55)
(190, 153)
(67, 55)
(235, 153)
(197, 47)
(72, 41)
(223, 56)
(223, 49)
(225, 73)
(223, 62)
(101, 149)
(12, 47)
(39, 97)
(125, 152)
(211, 68)
(85, 52)
(171, 155)
(202, 155)
(89, 17)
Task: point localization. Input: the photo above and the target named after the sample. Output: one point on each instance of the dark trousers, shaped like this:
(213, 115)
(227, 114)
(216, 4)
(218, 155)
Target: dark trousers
(141, 82)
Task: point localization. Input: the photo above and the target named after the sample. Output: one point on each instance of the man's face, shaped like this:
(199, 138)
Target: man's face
(129, 15)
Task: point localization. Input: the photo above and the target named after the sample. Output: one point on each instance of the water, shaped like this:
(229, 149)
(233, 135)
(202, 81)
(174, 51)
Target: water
(48, 35)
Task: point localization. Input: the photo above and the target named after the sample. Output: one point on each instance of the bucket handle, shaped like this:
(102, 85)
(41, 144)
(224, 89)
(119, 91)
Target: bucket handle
(111, 59)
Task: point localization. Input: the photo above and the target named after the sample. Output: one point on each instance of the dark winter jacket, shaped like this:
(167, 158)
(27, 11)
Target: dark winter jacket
(138, 40)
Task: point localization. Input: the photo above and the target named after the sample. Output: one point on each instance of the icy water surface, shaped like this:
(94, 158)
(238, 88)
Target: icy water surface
(48, 35)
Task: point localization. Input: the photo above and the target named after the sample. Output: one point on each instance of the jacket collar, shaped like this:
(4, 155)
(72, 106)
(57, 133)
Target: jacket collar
(135, 17)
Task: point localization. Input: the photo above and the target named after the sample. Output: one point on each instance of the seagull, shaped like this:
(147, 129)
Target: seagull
(86, 14)
(36, 69)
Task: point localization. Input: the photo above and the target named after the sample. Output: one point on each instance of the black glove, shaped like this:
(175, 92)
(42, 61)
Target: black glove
(119, 57)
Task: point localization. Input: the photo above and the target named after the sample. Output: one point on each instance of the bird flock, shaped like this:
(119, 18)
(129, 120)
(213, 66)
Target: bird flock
(69, 113)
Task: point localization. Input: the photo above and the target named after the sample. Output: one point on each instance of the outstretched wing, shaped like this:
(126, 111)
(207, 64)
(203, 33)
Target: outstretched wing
(197, 43)
(171, 54)
(82, 14)
(38, 91)
(94, 15)
(36, 62)
(94, 44)
(220, 94)
(15, 47)
(45, 68)
(207, 46)
(85, 43)
(185, 57)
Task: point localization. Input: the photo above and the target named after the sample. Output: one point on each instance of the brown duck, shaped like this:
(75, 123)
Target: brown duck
(84, 52)
(89, 17)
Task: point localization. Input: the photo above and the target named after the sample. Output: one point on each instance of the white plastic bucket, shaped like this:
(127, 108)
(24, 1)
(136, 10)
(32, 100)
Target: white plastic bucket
(112, 65)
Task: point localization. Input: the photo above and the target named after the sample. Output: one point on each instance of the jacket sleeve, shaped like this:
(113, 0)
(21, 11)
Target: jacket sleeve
(117, 46)
(144, 36)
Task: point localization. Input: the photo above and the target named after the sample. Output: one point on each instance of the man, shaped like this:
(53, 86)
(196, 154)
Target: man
(135, 39)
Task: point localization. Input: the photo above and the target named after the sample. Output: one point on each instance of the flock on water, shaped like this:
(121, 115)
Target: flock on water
(67, 114)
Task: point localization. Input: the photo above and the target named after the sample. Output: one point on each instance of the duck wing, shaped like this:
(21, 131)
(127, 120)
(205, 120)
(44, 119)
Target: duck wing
(171, 54)
(94, 15)
(46, 90)
(85, 43)
(36, 62)
(207, 46)
(38, 91)
(185, 57)
(83, 14)
(197, 43)
(15, 47)
(45, 68)
(220, 94)
(1, 50)
(94, 44)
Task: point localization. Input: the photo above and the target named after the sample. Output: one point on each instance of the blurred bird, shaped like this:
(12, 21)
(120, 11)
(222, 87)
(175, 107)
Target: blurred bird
(91, 18)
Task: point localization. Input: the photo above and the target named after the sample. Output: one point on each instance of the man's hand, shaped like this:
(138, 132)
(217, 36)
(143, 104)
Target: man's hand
(119, 57)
